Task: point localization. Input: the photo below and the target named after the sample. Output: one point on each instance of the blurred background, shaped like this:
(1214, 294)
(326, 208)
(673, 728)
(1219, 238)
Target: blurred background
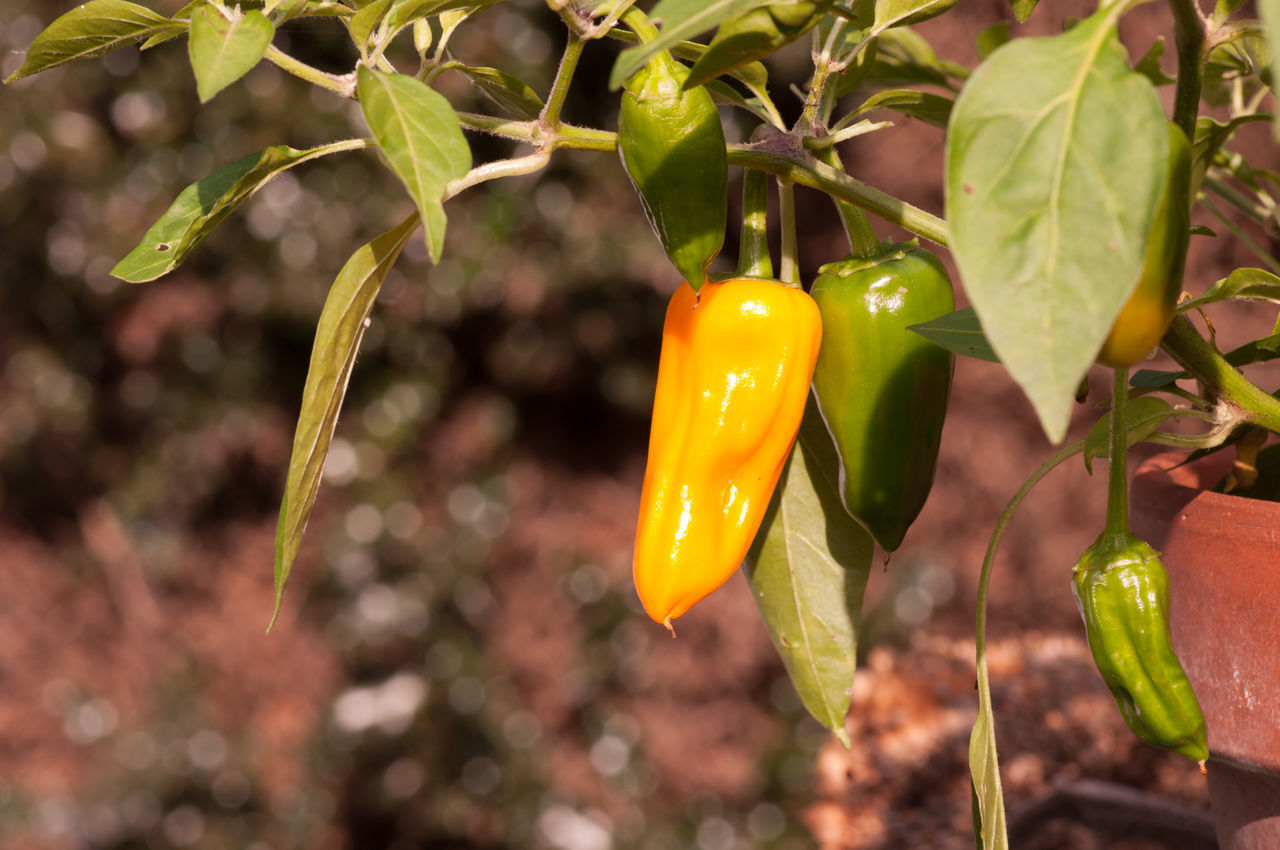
(462, 661)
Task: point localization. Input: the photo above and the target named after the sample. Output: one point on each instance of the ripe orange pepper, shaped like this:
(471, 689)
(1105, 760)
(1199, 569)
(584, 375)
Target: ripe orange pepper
(737, 359)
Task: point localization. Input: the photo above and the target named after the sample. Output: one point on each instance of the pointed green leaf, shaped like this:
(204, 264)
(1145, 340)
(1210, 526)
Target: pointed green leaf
(1022, 9)
(901, 13)
(92, 29)
(364, 22)
(341, 326)
(1143, 416)
(808, 569)
(509, 92)
(680, 19)
(419, 133)
(405, 12)
(1212, 136)
(958, 331)
(1055, 165)
(222, 51)
(904, 58)
(1149, 65)
(1241, 284)
(202, 206)
(996, 35)
(928, 107)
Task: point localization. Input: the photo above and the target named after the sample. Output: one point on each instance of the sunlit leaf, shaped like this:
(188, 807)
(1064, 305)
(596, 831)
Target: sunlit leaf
(928, 107)
(512, 94)
(341, 326)
(901, 13)
(1055, 166)
(92, 29)
(419, 133)
(222, 51)
(808, 569)
(200, 207)
(1241, 284)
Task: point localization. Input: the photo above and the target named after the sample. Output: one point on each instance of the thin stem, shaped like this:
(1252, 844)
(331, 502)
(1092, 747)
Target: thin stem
(494, 170)
(1117, 477)
(1189, 39)
(550, 117)
(344, 85)
(1258, 211)
(753, 250)
(814, 111)
(788, 269)
(862, 239)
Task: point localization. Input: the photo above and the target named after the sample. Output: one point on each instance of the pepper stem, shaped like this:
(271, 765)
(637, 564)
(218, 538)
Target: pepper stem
(862, 239)
(1117, 476)
(788, 269)
(753, 250)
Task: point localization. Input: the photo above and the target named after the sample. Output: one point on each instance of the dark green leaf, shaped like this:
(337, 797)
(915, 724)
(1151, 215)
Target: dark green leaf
(405, 12)
(1203, 230)
(1241, 284)
(509, 92)
(928, 107)
(92, 29)
(808, 569)
(1149, 65)
(680, 19)
(419, 133)
(201, 207)
(992, 37)
(222, 51)
(1055, 167)
(1211, 137)
(338, 333)
(1150, 379)
(959, 332)
(1143, 415)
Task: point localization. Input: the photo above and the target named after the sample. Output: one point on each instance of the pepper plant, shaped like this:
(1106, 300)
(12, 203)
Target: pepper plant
(1069, 187)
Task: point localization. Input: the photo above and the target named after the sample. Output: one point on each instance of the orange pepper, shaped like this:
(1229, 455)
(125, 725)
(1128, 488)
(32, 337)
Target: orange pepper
(737, 359)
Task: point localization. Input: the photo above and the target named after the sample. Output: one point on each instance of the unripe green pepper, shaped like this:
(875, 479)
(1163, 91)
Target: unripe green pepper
(755, 35)
(881, 388)
(1146, 315)
(1122, 591)
(673, 149)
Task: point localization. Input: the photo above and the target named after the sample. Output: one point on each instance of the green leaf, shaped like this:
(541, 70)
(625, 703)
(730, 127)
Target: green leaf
(405, 12)
(338, 333)
(1055, 166)
(1149, 65)
(1022, 9)
(1241, 284)
(200, 207)
(958, 331)
(1143, 415)
(723, 93)
(904, 58)
(992, 37)
(419, 133)
(1150, 379)
(901, 13)
(362, 24)
(680, 19)
(928, 107)
(1211, 137)
(1224, 8)
(990, 827)
(508, 91)
(808, 569)
(222, 51)
(89, 30)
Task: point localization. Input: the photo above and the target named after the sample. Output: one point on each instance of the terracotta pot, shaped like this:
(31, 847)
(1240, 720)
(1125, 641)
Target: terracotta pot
(1223, 557)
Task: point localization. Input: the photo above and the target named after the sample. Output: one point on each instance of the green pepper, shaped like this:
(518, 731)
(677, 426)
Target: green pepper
(1122, 591)
(881, 388)
(1146, 315)
(755, 35)
(673, 149)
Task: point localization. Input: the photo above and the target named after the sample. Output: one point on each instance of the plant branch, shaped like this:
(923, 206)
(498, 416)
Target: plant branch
(788, 268)
(862, 239)
(550, 117)
(1190, 42)
(1117, 524)
(1236, 399)
(343, 85)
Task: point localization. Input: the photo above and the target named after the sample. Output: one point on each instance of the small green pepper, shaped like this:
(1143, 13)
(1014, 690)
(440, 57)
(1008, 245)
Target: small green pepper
(882, 389)
(755, 35)
(1146, 315)
(673, 149)
(1122, 591)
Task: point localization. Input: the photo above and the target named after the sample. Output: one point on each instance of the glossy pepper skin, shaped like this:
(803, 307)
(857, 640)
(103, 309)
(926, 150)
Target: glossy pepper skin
(673, 149)
(1146, 315)
(734, 373)
(1122, 591)
(882, 389)
(755, 35)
